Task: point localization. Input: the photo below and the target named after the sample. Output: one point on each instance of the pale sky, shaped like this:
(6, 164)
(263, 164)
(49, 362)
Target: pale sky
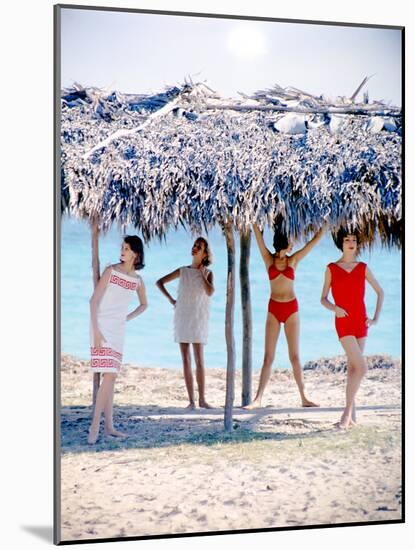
(139, 53)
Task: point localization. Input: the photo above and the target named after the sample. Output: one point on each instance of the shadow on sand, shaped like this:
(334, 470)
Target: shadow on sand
(155, 427)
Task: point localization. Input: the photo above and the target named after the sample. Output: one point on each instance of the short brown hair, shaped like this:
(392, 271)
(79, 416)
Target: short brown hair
(341, 234)
(136, 245)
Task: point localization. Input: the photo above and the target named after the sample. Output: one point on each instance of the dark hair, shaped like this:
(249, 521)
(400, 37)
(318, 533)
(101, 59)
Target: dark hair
(339, 236)
(209, 258)
(280, 241)
(136, 245)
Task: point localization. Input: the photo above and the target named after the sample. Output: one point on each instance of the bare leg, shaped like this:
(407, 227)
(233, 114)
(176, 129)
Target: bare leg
(292, 333)
(187, 372)
(272, 331)
(356, 370)
(200, 375)
(109, 424)
(103, 395)
(361, 342)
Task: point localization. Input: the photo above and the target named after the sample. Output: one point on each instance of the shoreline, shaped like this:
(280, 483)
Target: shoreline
(283, 465)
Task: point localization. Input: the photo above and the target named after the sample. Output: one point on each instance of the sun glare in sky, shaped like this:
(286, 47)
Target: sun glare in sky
(246, 42)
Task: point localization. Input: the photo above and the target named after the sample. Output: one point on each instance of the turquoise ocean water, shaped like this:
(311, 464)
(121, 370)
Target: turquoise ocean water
(149, 337)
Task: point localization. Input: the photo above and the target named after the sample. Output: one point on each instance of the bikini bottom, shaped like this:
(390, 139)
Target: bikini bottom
(282, 310)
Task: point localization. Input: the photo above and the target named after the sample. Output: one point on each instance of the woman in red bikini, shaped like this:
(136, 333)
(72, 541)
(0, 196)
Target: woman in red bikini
(346, 278)
(282, 308)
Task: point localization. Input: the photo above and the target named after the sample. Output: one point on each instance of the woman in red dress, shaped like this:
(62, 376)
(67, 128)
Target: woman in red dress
(346, 278)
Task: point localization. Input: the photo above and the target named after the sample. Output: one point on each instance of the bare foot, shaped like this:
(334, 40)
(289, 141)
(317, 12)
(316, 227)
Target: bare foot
(191, 406)
(116, 433)
(93, 435)
(344, 423)
(205, 405)
(307, 403)
(340, 426)
(256, 404)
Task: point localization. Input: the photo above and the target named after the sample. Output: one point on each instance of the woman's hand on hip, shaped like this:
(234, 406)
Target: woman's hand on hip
(340, 312)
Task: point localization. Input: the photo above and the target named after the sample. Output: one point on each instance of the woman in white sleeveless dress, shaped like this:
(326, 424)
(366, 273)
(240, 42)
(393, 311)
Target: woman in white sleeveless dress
(109, 308)
(191, 314)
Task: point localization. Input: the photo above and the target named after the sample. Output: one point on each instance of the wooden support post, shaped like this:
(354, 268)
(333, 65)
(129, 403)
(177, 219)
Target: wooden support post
(95, 279)
(229, 322)
(245, 247)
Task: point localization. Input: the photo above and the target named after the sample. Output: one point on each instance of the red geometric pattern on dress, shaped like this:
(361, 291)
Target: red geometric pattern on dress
(128, 285)
(105, 363)
(102, 352)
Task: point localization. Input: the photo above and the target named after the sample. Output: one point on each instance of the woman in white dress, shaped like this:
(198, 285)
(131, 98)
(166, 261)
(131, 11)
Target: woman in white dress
(109, 307)
(191, 314)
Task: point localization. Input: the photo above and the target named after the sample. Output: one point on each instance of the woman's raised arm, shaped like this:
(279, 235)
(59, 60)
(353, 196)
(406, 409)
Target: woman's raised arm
(265, 253)
(300, 254)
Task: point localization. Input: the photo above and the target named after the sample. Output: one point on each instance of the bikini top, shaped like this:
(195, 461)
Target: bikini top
(273, 272)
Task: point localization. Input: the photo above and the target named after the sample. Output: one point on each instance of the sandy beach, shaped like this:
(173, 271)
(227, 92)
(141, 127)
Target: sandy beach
(179, 472)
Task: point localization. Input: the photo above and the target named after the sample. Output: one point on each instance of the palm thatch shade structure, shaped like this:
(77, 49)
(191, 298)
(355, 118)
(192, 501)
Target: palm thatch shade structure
(199, 164)
(187, 156)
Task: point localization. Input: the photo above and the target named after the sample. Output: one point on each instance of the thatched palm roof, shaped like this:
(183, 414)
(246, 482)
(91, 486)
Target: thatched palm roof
(90, 115)
(189, 156)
